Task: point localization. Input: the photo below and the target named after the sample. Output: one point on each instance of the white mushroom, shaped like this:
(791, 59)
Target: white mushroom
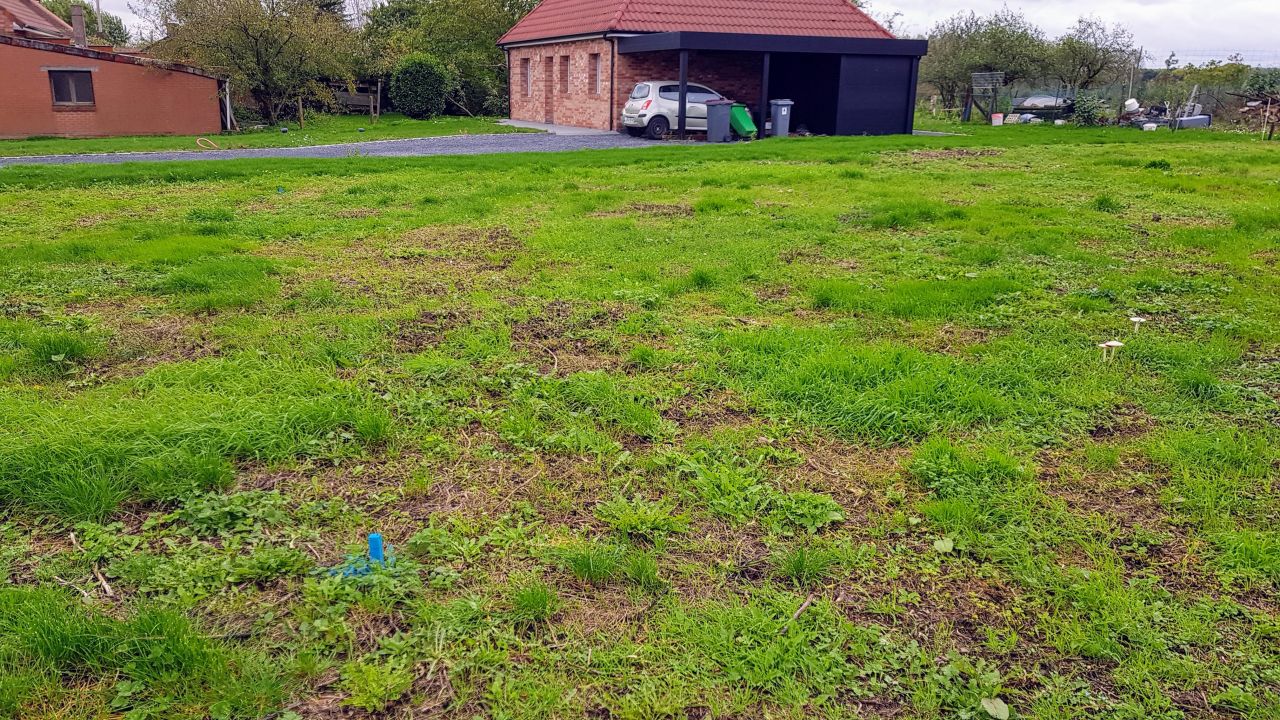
(1113, 346)
(1137, 322)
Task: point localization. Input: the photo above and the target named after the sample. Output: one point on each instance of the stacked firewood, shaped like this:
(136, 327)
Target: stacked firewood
(1262, 110)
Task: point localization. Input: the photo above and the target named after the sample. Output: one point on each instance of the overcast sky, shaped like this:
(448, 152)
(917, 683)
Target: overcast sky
(1196, 29)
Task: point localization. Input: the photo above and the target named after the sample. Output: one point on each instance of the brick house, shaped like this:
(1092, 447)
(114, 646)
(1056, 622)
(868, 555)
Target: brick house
(574, 62)
(55, 83)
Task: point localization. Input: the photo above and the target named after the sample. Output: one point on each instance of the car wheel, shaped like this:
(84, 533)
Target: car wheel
(635, 132)
(659, 127)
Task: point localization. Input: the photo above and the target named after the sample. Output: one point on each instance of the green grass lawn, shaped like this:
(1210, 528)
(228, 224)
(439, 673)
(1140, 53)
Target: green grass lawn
(319, 130)
(804, 428)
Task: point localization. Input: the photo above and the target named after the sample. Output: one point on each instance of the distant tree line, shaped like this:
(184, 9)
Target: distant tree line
(279, 51)
(1088, 56)
(113, 30)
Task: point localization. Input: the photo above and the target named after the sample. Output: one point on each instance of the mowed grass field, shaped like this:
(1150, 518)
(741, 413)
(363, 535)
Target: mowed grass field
(807, 428)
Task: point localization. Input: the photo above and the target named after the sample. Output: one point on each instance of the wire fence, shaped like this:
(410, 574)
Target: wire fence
(1151, 84)
(1268, 58)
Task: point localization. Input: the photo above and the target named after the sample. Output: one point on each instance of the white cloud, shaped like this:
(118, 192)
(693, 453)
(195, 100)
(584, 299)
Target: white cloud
(1190, 27)
(1195, 29)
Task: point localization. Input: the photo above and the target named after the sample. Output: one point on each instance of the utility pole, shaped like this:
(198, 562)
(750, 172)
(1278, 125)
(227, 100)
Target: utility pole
(1141, 51)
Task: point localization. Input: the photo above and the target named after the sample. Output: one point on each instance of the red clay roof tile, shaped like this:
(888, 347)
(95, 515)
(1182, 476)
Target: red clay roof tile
(564, 18)
(31, 12)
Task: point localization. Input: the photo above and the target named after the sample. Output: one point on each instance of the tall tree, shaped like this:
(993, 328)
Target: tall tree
(1092, 53)
(967, 43)
(459, 33)
(276, 50)
(113, 30)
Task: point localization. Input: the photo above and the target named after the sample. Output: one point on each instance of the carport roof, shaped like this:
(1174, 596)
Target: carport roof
(808, 18)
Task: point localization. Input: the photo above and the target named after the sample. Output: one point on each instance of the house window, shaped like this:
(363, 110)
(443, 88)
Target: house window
(593, 73)
(564, 74)
(71, 87)
(526, 73)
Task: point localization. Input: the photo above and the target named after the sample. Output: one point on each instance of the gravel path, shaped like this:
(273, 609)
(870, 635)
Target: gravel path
(414, 147)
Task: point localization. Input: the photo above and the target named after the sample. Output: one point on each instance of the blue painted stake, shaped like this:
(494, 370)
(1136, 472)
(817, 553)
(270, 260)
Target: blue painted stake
(357, 565)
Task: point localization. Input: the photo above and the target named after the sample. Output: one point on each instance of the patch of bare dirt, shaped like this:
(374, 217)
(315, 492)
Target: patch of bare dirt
(570, 338)
(463, 248)
(951, 339)
(141, 339)
(356, 213)
(772, 293)
(954, 153)
(705, 414)
(651, 210)
(1127, 421)
(427, 329)
(88, 221)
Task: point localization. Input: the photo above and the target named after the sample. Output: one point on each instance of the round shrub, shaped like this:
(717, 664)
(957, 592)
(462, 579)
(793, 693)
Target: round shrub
(1090, 111)
(419, 86)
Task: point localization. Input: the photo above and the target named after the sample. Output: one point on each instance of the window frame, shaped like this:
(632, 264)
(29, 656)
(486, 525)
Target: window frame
(75, 101)
(526, 72)
(564, 72)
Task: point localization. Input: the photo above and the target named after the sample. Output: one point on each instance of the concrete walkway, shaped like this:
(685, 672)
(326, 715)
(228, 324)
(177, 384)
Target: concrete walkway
(412, 147)
(555, 129)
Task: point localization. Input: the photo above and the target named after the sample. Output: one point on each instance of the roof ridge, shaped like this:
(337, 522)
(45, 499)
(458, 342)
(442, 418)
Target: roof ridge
(854, 4)
(562, 19)
(39, 8)
(616, 22)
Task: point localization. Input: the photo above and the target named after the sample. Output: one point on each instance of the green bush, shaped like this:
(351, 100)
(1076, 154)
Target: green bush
(420, 85)
(1090, 111)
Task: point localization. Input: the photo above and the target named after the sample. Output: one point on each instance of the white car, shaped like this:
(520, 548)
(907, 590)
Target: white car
(654, 107)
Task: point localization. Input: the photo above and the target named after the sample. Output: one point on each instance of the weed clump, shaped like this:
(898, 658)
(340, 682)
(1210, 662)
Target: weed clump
(592, 562)
(532, 603)
(639, 518)
(1107, 204)
(804, 566)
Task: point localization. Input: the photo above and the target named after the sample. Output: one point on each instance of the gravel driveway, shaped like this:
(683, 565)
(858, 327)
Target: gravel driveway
(414, 147)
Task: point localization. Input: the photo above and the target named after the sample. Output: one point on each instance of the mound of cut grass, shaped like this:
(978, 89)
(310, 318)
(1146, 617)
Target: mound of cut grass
(220, 283)
(154, 658)
(915, 298)
(884, 393)
(175, 431)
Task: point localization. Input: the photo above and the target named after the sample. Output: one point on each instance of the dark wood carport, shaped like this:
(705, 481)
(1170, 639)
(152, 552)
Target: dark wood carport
(874, 78)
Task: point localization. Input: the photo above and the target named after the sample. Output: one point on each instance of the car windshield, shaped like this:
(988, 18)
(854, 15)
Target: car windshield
(640, 91)
(697, 93)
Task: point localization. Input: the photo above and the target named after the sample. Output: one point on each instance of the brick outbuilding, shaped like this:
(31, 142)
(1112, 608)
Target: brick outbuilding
(56, 84)
(574, 62)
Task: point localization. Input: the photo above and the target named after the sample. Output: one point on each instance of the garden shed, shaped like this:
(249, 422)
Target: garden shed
(574, 62)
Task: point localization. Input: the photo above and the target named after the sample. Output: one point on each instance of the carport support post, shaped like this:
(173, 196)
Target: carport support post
(684, 92)
(762, 112)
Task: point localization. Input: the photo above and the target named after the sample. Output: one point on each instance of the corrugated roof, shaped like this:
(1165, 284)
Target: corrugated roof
(32, 13)
(824, 18)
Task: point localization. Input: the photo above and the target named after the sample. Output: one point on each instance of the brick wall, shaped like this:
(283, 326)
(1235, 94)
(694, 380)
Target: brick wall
(541, 96)
(128, 99)
(732, 74)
